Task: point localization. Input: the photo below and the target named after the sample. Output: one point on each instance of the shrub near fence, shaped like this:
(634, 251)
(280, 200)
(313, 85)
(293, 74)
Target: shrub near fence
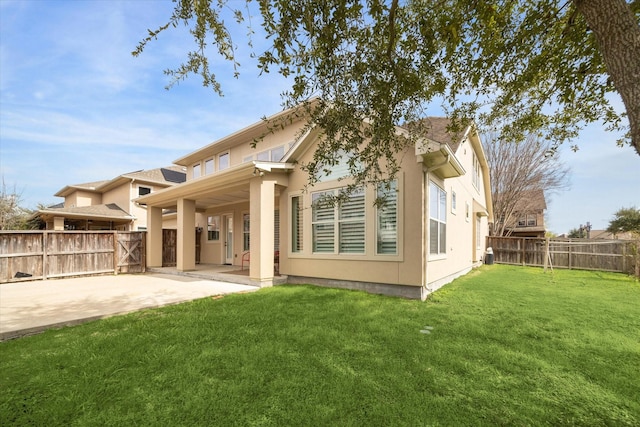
(581, 254)
(29, 255)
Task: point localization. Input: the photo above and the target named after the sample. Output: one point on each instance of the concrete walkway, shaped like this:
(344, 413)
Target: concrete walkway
(31, 307)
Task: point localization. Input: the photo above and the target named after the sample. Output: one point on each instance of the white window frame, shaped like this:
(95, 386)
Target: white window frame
(212, 227)
(337, 220)
(387, 229)
(226, 155)
(209, 164)
(437, 217)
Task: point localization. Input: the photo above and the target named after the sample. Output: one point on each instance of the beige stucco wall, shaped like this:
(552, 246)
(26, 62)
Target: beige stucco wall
(238, 154)
(213, 252)
(462, 246)
(404, 268)
(81, 198)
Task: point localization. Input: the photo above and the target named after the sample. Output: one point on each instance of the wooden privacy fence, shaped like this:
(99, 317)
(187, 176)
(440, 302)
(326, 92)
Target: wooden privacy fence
(580, 254)
(29, 255)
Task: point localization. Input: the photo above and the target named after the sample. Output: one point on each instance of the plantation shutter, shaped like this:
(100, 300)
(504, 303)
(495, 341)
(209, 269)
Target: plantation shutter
(351, 227)
(296, 224)
(323, 224)
(387, 231)
(276, 230)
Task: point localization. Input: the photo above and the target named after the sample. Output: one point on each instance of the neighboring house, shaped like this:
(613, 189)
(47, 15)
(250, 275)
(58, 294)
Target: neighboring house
(604, 234)
(528, 216)
(108, 205)
(252, 204)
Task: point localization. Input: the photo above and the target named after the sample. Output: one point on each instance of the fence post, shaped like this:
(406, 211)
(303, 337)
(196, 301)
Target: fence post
(115, 252)
(44, 254)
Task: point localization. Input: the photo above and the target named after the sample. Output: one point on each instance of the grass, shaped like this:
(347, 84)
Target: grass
(508, 346)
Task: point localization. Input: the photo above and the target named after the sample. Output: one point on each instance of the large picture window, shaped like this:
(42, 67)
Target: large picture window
(387, 220)
(338, 227)
(437, 220)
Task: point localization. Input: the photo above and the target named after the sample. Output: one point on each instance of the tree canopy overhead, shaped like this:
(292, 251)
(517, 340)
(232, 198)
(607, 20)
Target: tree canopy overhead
(543, 67)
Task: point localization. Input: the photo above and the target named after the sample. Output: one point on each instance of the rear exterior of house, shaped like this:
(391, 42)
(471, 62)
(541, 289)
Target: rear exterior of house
(253, 208)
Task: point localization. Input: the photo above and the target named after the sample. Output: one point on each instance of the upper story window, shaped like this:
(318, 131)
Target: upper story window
(476, 171)
(273, 155)
(528, 220)
(143, 190)
(223, 161)
(339, 170)
(209, 166)
(197, 172)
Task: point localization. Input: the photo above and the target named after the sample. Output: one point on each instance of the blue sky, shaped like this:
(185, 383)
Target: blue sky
(76, 106)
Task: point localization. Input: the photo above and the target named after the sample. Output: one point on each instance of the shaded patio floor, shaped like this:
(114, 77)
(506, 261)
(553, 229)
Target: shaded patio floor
(222, 273)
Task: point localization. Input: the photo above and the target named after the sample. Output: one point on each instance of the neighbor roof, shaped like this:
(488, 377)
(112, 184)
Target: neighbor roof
(164, 176)
(108, 211)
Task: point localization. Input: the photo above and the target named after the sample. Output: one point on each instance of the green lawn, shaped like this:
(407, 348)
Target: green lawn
(508, 346)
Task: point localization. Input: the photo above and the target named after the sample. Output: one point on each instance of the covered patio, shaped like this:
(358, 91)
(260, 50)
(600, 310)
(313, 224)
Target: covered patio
(257, 183)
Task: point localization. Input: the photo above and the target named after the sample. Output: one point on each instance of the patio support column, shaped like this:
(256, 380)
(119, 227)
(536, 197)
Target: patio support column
(154, 236)
(262, 201)
(186, 244)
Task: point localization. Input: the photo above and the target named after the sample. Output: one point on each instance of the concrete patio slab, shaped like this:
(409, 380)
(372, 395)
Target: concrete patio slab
(31, 307)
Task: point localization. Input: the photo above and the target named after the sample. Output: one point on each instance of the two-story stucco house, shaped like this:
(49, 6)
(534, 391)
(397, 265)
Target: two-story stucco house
(528, 216)
(109, 205)
(252, 204)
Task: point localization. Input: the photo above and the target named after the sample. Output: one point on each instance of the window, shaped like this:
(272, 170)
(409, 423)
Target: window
(437, 220)
(213, 228)
(196, 171)
(296, 224)
(209, 167)
(323, 223)
(246, 235)
(223, 161)
(528, 220)
(143, 190)
(247, 159)
(337, 171)
(273, 155)
(339, 225)
(476, 171)
(351, 223)
(454, 202)
(387, 220)
(277, 154)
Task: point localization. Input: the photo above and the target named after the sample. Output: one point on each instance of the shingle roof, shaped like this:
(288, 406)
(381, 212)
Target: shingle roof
(174, 174)
(438, 129)
(110, 210)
